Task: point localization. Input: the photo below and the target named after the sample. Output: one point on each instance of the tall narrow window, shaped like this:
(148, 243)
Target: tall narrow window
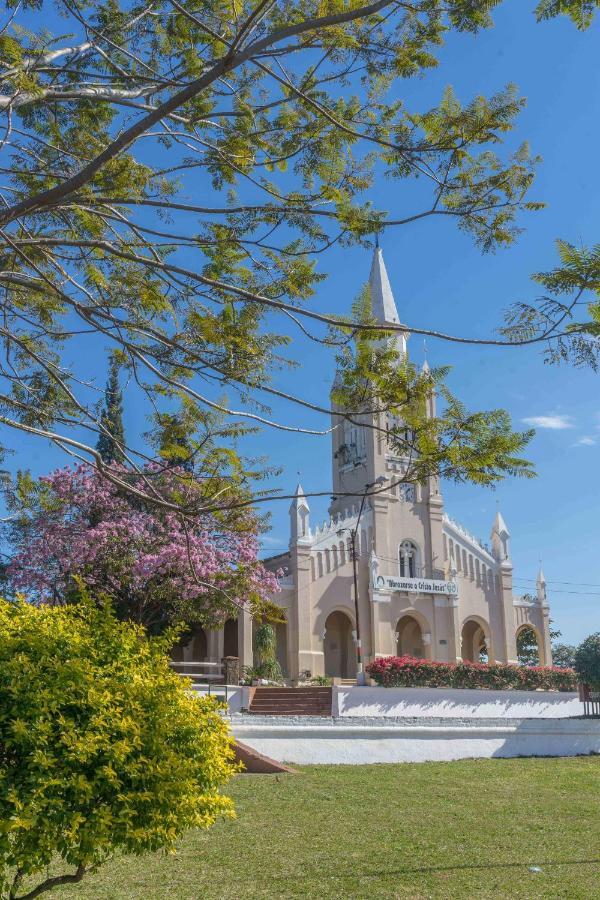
(408, 560)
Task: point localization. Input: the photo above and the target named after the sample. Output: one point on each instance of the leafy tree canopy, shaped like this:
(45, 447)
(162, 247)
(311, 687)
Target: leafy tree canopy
(172, 173)
(587, 660)
(159, 568)
(103, 750)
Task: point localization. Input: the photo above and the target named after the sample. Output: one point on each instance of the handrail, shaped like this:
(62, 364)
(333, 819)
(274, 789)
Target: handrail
(176, 662)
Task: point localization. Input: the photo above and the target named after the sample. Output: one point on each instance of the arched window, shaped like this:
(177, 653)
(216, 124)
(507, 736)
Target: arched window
(408, 560)
(342, 553)
(352, 448)
(445, 545)
(335, 557)
(477, 572)
(471, 570)
(320, 564)
(327, 561)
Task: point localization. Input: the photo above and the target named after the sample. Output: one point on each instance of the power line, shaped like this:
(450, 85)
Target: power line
(574, 583)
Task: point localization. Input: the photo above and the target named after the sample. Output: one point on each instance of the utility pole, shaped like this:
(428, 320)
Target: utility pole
(360, 675)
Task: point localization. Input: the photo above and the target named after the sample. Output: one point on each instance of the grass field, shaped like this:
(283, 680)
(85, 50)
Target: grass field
(449, 830)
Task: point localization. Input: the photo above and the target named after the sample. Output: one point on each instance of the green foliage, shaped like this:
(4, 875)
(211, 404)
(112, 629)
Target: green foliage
(111, 440)
(407, 671)
(528, 652)
(527, 647)
(375, 379)
(102, 748)
(265, 645)
(563, 656)
(581, 12)
(285, 161)
(570, 288)
(587, 660)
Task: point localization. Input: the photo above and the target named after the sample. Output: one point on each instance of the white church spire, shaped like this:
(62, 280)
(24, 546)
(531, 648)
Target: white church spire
(541, 588)
(500, 539)
(382, 298)
(299, 517)
(383, 304)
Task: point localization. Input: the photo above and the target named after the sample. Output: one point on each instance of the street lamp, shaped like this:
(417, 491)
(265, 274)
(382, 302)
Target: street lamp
(360, 675)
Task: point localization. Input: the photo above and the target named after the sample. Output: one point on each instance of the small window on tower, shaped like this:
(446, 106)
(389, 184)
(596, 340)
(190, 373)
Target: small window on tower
(408, 560)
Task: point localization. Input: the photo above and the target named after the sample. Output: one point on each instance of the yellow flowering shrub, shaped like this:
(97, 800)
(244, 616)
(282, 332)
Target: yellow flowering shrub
(101, 748)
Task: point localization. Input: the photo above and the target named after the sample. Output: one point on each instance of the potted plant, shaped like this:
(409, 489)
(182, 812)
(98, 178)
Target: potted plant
(265, 644)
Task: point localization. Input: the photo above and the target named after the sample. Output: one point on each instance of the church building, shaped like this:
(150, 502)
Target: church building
(426, 586)
(421, 584)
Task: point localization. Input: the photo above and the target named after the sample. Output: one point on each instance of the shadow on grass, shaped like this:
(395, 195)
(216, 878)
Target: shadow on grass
(425, 870)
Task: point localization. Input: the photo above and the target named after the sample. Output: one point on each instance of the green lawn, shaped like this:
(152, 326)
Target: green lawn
(449, 830)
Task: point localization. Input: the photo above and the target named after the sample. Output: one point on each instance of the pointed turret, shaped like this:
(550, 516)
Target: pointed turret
(500, 539)
(382, 299)
(541, 588)
(299, 517)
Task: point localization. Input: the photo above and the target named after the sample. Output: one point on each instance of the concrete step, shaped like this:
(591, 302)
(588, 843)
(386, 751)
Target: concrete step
(307, 701)
(290, 695)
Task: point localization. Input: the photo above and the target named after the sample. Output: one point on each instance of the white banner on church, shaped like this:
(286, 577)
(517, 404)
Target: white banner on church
(414, 585)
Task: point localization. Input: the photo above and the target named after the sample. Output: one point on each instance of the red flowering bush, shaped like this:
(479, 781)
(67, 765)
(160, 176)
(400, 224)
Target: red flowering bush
(408, 671)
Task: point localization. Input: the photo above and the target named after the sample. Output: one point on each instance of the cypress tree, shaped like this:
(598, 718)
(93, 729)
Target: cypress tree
(112, 435)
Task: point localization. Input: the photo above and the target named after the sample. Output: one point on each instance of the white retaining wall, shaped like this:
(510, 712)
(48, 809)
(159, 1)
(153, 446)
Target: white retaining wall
(453, 703)
(235, 694)
(359, 744)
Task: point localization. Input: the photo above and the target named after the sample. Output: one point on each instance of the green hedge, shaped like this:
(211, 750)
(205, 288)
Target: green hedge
(407, 671)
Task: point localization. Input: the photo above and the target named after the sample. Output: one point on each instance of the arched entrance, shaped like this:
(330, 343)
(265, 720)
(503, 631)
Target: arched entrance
(529, 646)
(410, 637)
(192, 647)
(230, 638)
(475, 642)
(338, 646)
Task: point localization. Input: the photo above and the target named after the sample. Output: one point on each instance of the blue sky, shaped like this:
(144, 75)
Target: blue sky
(440, 280)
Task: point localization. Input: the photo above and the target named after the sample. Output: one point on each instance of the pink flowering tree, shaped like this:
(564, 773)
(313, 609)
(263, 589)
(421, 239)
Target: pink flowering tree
(157, 565)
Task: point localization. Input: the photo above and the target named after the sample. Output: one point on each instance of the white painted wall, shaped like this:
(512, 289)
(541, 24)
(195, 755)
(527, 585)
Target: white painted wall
(234, 695)
(365, 744)
(453, 703)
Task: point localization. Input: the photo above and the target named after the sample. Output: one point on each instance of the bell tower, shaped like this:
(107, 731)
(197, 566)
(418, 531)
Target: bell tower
(358, 456)
(362, 454)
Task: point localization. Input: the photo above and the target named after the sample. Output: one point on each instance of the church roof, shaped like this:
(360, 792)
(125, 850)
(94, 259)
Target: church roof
(382, 299)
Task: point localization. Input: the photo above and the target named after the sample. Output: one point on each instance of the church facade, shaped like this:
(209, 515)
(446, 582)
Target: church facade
(426, 587)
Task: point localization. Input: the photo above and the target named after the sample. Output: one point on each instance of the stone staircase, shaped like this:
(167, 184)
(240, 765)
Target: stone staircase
(300, 701)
